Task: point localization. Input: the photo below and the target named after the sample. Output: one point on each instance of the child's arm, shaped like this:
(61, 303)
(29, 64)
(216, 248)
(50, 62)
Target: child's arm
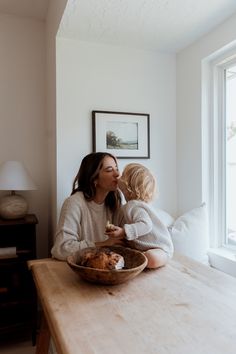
(140, 223)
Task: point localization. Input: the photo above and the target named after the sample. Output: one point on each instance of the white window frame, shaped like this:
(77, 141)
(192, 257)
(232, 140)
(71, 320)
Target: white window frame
(221, 256)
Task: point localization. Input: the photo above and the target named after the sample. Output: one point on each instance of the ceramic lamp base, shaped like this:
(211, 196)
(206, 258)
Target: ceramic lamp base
(13, 207)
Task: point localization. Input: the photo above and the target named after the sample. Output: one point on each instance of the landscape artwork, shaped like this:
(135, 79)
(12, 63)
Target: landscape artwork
(122, 135)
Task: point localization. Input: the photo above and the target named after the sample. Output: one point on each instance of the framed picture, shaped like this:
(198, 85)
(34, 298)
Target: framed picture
(125, 135)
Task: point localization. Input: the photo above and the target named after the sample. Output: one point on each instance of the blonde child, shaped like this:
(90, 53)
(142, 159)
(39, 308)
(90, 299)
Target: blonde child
(142, 229)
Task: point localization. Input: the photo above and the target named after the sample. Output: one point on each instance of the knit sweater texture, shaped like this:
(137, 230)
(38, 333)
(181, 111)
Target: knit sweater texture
(81, 224)
(144, 230)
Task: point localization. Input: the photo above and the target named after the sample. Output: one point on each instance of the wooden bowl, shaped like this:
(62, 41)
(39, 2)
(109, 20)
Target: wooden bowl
(135, 262)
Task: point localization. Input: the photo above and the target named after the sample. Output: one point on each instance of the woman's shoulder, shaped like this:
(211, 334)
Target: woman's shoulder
(74, 199)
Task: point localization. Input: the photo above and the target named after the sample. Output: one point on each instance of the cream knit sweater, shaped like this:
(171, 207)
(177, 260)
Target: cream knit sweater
(80, 225)
(144, 230)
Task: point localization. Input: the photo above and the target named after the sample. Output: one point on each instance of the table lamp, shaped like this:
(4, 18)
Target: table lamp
(14, 177)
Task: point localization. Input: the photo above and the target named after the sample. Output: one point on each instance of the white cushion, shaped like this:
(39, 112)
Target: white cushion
(189, 233)
(164, 217)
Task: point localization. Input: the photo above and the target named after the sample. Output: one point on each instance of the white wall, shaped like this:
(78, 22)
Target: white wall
(28, 108)
(54, 15)
(22, 108)
(92, 77)
(189, 141)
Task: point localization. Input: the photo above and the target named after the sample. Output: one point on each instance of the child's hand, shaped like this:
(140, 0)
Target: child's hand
(109, 227)
(116, 232)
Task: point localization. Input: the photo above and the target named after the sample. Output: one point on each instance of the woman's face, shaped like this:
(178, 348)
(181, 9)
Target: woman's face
(108, 175)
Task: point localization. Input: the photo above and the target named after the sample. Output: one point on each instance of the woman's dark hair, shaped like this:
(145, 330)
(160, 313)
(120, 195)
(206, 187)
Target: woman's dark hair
(88, 173)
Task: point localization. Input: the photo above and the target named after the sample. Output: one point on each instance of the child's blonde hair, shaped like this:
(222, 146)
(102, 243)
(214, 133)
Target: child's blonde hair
(140, 182)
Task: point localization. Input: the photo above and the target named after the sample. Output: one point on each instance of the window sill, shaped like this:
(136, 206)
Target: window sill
(223, 259)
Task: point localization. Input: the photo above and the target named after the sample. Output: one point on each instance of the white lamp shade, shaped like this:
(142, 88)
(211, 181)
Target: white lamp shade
(15, 177)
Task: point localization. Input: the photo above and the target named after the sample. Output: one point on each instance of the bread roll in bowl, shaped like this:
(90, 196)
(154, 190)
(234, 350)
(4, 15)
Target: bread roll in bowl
(102, 259)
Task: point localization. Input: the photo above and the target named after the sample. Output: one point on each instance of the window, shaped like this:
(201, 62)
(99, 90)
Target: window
(223, 149)
(219, 152)
(230, 139)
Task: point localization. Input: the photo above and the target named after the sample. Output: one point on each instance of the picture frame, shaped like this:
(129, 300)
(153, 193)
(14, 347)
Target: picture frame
(123, 134)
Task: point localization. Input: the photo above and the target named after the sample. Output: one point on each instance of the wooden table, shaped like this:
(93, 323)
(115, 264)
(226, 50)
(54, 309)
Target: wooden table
(182, 308)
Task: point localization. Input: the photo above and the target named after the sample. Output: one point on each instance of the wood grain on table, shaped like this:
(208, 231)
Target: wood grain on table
(182, 308)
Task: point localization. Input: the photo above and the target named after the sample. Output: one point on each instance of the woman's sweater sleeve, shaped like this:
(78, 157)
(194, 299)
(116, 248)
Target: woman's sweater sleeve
(68, 235)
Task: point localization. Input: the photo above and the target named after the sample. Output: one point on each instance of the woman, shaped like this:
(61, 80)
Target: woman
(94, 201)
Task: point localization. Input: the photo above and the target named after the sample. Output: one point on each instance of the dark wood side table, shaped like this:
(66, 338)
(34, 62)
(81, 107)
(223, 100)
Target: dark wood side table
(18, 300)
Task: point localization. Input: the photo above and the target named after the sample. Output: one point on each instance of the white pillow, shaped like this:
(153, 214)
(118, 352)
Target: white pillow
(189, 234)
(164, 217)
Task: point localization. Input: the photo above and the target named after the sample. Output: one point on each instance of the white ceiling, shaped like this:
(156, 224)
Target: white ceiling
(164, 25)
